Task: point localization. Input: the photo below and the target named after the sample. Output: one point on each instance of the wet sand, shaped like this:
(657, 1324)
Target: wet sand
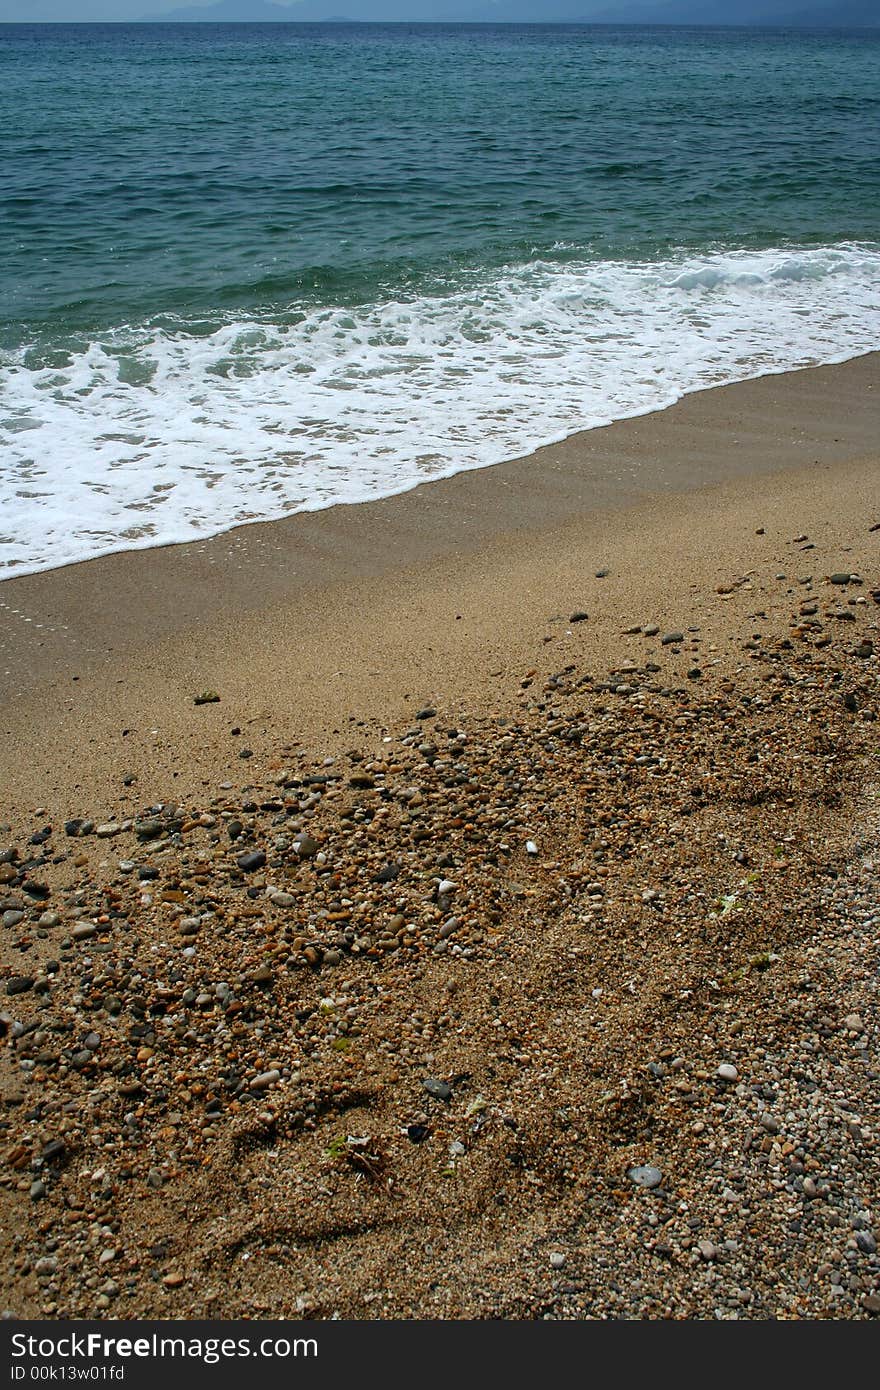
(446, 592)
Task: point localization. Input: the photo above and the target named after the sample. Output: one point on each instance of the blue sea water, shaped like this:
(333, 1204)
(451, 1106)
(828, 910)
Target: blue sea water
(253, 269)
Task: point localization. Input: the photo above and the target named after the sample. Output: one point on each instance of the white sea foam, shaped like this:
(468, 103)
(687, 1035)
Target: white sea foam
(151, 437)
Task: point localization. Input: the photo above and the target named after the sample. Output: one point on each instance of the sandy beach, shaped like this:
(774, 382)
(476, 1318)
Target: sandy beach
(502, 941)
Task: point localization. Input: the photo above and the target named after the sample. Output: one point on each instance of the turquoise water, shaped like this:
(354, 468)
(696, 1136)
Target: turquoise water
(246, 270)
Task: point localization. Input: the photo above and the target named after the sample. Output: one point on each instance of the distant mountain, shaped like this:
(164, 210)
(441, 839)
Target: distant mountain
(800, 13)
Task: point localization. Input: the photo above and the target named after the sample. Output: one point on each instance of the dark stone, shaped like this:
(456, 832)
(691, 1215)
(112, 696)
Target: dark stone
(149, 829)
(254, 859)
(40, 891)
(19, 984)
(388, 874)
(578, 616)
(418, 1133)
(427, 713)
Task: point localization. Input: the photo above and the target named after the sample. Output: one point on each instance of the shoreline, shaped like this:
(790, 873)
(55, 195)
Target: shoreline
(356, 613)
(564, 441)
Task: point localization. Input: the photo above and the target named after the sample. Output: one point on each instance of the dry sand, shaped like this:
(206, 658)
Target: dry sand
(557, 865)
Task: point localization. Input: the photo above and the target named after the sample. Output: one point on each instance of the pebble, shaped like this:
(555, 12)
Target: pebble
(265, 1080)
(557, 1259)
(306, 847)
(670, 638)
(645, 1175)
(12, 918)
(728, 1072)
(579, 616)
(440, 1090)
(149, 829)
(252, 860)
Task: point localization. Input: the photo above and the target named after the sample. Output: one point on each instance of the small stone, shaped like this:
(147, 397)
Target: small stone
(728, 1072)
(83, 930)
(388, 874)
(578, 616)
(252, 860)
(854, 1023)
(427, 713)
(12, 918)
(866, 1242)
(840, 578)
(19, 984)
(557, 1259)
(174, 1279)
(49, 919)
(440, 1090)
(707, 1249)
(265, 1080)
(445, 887)
(871, 1303)
(108, 830)
(149, 829)
(306, 847)
(671, 638)
(207, 697)
(645, 1175)
(531, 847)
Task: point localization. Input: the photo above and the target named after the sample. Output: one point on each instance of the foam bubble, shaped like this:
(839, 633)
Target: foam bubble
(152, 436)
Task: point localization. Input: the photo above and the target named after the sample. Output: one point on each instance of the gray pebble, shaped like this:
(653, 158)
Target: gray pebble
(440, 1090)
(645, 1175)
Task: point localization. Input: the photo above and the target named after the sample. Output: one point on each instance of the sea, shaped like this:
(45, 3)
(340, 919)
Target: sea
(251, 270)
